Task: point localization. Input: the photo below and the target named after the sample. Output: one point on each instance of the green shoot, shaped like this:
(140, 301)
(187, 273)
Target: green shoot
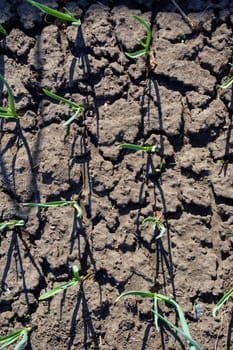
(229, 234)
(3, 30)
(21, 335)
(178, 330)
(8, 112)
(157, 224)
(222, 161)
(156, 312)
(133, 147)
(76, 279)
(160, 166)
(159, 297)
(226, 84)
(56, 204)
(222, 301)
(146, 45)
(77, 109)
(67, 16)
(12, 223)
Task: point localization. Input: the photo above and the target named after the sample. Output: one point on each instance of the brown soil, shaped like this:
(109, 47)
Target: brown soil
(177, 106)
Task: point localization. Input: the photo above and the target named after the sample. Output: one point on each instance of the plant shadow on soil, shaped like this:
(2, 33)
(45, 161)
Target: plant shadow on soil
(176, 106)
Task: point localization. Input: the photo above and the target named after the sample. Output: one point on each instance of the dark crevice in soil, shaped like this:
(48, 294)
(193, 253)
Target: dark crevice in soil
(204, 137)
(197, 209)
(174, 215)
(223, 199)
(177, 141)
(189, 173)
(125, 209)
(57, 271)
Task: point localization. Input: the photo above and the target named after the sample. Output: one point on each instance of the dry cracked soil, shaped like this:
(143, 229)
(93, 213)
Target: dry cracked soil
(186, 183)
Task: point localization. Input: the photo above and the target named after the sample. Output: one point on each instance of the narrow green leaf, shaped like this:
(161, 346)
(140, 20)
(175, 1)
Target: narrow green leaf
(49, 204)
(77, 279)
(157, 224)
(79, 209)
(13, 337)
(167, 300)
(192, 343)
(76, 274)
(11, 223)
(58, 289)
(221, 302)
(61, 99)
(221, 161)
(155, 313)
(134, 292)
(4, 109)
(74, 106)
(146, 44)
(72, 118)
(55, 13)
(11, 108)
(76, 22)
(8, 115)
(3, 30)
(23, 341)
(150, 219)
(226, 84)
(136, 54)
(137, 147)
(148, 30)
(56, 204)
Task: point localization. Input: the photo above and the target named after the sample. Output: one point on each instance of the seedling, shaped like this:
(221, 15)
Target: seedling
(150, 149)
(3, 30)
(56, 204)
(221, 302)
(77, 109)
(157, 224)
(8, 112)
(67, 16)
(12, 223)
(227, 83)
(145, 44)
(76, 279)
(184, 330)
(222, 161)
(21, 336)
(160, 167)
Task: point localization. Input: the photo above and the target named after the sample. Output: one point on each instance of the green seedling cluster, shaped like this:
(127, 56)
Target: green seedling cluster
(133, 147)
(77, 279)
(145, 44)
(21, 336)
(157, 224)
(10, 111)
(67, 16)
(184, 330)
(11, 223)
(57, 204)
(74, 107)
